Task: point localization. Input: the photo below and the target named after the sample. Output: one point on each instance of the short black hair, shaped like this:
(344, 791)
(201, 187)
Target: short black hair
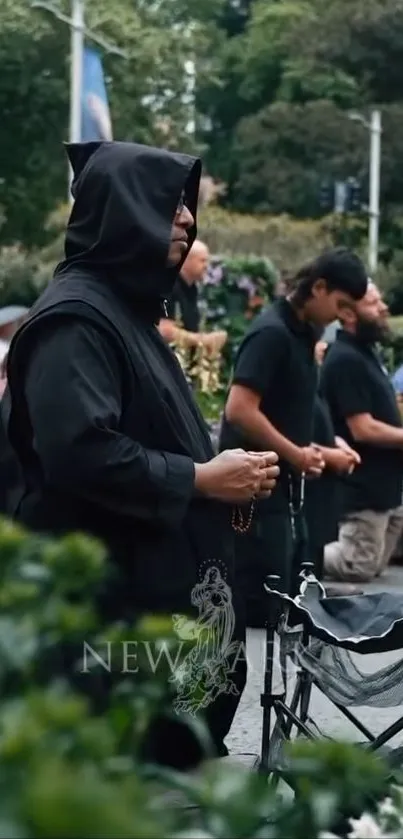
(341, 269)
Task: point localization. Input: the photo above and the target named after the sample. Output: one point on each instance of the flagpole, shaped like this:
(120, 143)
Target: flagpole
(76, 76)
(78, 34)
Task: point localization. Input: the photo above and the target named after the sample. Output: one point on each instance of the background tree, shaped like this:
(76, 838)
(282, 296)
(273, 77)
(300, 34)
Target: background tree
(146, 92)
(285, 152)
(341, 56)
(275, 80)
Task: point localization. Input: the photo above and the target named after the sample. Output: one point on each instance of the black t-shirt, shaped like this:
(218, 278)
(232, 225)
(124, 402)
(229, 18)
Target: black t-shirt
(185, 298)
(321, 495)
(276, 360)
(354, 381)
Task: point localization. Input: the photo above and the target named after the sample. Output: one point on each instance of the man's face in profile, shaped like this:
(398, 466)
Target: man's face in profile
(183, 221)
(197, 263)
(369, 317)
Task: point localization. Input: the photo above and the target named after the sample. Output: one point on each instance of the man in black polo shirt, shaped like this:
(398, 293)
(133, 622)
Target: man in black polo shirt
(184, 300)
(270, 406)
(365, 413)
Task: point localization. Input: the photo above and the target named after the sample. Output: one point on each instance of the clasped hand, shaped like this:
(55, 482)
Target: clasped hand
(238, 476)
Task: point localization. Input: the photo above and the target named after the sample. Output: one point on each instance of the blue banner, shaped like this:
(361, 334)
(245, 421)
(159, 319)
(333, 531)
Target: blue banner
(95, 116)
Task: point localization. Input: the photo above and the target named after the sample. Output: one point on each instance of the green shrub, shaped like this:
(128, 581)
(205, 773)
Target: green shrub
(67, 771)
(279, 241)
(393, 351)
(287, 242)
(24, 274)
(19, 284)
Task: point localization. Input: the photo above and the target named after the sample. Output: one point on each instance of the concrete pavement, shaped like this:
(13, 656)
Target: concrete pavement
(245, 734)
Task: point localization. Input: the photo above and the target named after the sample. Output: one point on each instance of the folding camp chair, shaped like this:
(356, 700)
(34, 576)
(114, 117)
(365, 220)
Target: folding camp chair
(317, 635)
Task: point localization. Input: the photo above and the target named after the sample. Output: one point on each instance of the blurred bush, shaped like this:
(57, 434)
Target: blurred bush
(20, 282)
(23, 273)
(287, 242)
(274, 244)
(393, 351)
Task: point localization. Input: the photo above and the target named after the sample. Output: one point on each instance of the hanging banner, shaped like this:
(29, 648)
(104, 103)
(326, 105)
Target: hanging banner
(95, 117)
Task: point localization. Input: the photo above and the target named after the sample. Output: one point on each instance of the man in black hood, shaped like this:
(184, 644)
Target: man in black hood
(108, 437)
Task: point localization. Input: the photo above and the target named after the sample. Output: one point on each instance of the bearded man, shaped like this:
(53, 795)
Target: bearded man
(365, 413)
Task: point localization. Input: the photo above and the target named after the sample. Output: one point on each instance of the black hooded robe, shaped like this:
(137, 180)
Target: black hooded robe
(99, 412)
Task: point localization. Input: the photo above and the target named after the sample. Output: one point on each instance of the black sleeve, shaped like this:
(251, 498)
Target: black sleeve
(344, 386)
(74, 395)
(260, 359)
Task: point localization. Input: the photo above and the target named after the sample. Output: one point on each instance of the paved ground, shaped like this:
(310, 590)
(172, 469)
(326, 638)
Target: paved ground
(245, 734)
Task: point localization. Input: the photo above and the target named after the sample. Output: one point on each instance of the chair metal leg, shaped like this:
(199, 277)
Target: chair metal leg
(268, 699)
(306, 685)
(286, 716)
(386, 735)
(286, 727)
(358, 725)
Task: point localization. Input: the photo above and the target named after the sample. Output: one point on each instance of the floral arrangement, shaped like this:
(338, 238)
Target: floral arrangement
(233, 292)
(236, 286)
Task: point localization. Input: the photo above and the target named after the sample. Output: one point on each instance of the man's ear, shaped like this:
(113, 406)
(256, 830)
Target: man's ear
(318, 287)
(348, 316)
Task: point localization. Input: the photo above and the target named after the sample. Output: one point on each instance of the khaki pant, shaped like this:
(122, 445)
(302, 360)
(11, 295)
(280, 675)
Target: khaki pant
(367, 541)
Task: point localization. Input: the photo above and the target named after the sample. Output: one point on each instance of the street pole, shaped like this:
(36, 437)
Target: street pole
(190, 82)
(78, 33)
(76, 76)
(190, 71)
(375, 130)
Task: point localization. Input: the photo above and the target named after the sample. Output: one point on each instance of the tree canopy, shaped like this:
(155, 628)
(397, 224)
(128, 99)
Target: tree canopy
(147, 91)
(280, 118)
(275, 82)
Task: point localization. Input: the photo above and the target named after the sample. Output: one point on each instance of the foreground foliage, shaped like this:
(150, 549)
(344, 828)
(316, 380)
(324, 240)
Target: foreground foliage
(66, 771)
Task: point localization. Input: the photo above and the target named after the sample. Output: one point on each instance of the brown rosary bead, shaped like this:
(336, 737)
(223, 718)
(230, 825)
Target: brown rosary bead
(242, 526)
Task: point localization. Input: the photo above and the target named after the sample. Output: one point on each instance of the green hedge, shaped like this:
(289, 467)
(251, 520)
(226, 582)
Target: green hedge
(238, 283)
(286, 241)
(20, 280)
(393, 352)
(280, 241)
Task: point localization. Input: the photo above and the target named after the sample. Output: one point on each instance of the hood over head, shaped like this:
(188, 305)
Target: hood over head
(125, 199)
